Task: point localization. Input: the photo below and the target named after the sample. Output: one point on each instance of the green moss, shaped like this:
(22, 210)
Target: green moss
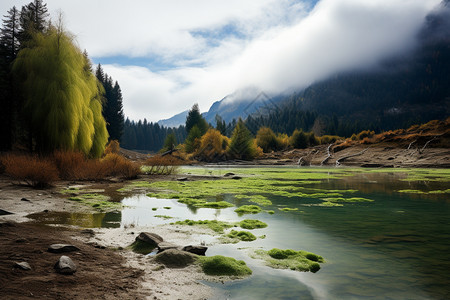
(154, 208)
(248, 209)
(245, 236)
(347, 200)
(217, 226)
(330, 204)
(270, 212)
(288, 209)
(163, 217)
(259, 199)
(218, 204)
(167, 207)
(221, 265)
(141, 247)
(97, 201)
(422, 192)
(252, 224)
(290, 259)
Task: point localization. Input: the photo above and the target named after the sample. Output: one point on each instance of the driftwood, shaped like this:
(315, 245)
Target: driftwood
(426, 144)
(169, 152)
(329, 155)
(410, 144)
(338, 161)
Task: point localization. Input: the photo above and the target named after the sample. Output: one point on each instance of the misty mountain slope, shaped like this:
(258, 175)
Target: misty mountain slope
(411, 89)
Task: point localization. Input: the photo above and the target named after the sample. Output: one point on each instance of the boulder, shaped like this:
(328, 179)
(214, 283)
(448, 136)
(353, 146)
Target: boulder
(65, 265)
(199, 250)
(174, 258)
(150, 238)
(163, 246)
(22, 265)
(62, 248)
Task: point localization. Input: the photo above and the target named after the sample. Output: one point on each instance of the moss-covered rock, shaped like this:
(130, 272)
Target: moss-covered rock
(221, 265)
(245, 236)
(174, 258)
(303, 261)
(252, 224)
(142, 247)
(248, 209)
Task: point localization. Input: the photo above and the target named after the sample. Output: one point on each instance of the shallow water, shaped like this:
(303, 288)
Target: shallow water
(396, 247)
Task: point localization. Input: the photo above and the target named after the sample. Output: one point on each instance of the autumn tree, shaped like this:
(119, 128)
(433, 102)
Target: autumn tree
(62, 96)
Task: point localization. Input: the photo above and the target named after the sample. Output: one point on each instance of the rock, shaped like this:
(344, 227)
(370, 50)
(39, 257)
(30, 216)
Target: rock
(182, 179)
(22, 265)
(174, 258)
(88, 231)
(149, 237)
(4, 212)
(199, 250)
(25, 199)
(65, 265)
(228, 174)
(62, 248)
(163, 246)
(236, 177)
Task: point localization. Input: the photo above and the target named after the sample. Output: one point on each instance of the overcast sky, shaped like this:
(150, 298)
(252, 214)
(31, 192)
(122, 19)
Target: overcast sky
(168, 55)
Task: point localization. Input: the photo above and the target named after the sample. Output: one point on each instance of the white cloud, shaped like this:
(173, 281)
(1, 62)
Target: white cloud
(280, 44)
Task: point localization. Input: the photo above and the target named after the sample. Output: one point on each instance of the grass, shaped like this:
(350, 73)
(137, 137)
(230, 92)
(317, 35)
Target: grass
(223, 266)
(97, 201)
(302, 261)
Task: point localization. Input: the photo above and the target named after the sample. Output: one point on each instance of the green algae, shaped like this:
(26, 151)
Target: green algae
(447, 191)
(347, 200)
(270, 212)
(288, 209)
(248, 209)
(217, 205)
(163, 217)
(252, 224)
(223, 266)
(217, 226)
(243, 235)
(257, 199)
(302, 261)
(97, 201)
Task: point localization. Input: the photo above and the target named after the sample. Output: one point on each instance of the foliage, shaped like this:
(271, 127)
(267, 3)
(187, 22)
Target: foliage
(117, 165)
(242, 145)
(169, 143)
(36, 171)
(267, 140)
(192, 142)
(112, 147)
(299, 139)
(161, 165)
(212, 146)
(220, 265)
(62, 95)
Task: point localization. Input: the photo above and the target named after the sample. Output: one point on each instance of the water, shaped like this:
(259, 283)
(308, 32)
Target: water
(396, 247)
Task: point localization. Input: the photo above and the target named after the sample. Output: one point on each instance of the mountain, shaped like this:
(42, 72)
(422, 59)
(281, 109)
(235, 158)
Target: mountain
(175, 121)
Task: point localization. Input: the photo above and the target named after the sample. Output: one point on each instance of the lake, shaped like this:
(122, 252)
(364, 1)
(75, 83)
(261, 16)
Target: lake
(384, 234)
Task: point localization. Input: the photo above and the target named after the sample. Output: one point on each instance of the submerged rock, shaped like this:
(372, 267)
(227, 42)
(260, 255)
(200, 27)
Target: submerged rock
(4, 212)
(62, 248)
(149, 237)
(65, 265)
(174, 258)
(163, 246)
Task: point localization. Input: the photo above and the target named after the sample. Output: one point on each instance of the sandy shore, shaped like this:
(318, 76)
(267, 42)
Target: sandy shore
(115, 271)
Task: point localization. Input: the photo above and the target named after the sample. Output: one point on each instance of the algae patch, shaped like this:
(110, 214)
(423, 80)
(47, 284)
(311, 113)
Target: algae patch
(221, 265)
(252, 224)
(302, 261)
(237, 236)
(217, 226)
(248, 209)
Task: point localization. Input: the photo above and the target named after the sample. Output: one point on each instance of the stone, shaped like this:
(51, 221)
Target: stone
(4, 212)
(228, 174)
(149, 237)
(62, 248)
(182, 179)
(65, 266)
(236, 177)
(22, 265)
(25, 199)
(174, 258)
(163, 246)
(199, 250)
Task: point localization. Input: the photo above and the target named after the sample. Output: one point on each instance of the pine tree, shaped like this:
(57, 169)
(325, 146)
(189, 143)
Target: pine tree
(241, 145)
(194, 118)
(9, 35)
(33, 18)
(117, 117)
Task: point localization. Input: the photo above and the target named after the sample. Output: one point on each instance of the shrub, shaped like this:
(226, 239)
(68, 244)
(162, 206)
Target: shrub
(267, 140)
(162, 165)
(112, 147)
(33, 170)
(117, 165)
(71, 165)
(327, 139)
(299, 140)
(212, 146)
(365, 134)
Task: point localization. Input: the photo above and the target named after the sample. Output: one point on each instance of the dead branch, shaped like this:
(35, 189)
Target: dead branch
(328, 154)
(338, 161)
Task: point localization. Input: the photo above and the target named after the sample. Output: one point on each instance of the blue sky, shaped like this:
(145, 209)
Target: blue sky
(168, 55)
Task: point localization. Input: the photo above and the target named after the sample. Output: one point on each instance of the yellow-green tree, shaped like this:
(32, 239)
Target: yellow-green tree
(62, 96)
(242, 145)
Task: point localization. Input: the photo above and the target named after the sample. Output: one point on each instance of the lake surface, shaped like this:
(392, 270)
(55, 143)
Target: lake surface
(394, 247)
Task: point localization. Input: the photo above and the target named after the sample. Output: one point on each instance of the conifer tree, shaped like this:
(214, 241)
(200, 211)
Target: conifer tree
(33, 18)
(9, 35)
(241, 145)
(194, 118)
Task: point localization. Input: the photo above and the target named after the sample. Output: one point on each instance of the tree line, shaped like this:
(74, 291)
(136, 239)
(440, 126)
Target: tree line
(50, 97)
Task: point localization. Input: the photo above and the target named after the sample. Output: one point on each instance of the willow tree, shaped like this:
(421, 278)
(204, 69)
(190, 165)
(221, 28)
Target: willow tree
(62, 96)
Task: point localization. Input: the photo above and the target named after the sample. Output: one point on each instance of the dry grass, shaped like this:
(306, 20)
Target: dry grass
(35, 171)
(112, 147)
(162, 165)
(117, 165)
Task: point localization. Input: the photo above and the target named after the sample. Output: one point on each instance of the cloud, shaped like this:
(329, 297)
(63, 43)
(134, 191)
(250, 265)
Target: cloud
(206, 49)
